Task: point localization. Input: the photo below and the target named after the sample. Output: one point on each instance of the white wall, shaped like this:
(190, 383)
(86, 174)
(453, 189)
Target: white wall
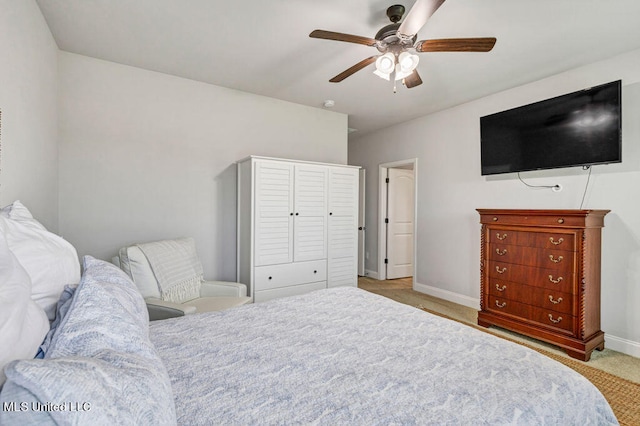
(450, 188)
(28, 96)
(146, 156)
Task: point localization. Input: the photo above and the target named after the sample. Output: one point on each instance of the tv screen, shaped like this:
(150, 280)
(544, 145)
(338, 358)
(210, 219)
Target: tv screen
(577, 129)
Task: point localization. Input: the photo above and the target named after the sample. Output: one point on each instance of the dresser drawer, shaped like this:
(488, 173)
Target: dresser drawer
(284, 275)
(503, 305)
(550, 240)
(550, 299)
(551, 220)
(530, 275)
(561, 261)
(552, 319)
(543, 317)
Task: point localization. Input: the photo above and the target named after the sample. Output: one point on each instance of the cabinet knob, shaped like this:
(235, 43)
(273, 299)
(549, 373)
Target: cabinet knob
(495, 219)
(270, 277)
(561, 220)
(330, 213)
(315, 271)
(297, 213)
(291, 214)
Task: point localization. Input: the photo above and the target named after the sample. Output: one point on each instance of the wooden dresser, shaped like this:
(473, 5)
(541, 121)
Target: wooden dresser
(540, 275)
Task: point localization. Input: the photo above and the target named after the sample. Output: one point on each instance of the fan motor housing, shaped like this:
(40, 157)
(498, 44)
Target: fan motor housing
(388, 34)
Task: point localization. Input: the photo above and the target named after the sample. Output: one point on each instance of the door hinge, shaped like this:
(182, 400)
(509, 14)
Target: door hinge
(386, 261)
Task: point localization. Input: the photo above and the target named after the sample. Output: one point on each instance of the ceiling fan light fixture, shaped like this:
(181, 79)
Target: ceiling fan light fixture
(407, 63)
(385, 65)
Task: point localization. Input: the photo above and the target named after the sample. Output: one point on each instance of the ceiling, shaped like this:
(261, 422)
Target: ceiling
(263, 47)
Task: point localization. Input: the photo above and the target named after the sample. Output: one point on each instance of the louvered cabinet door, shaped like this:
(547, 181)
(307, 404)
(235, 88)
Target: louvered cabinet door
(310, 213)
(273, 212)
(343, 227)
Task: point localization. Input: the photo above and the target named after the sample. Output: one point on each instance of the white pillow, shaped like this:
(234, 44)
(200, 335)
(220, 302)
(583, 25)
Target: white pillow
(23, 324)
(18, 211)
(50, 261)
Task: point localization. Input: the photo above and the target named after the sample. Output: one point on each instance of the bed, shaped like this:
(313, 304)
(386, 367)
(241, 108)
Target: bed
(335, 356)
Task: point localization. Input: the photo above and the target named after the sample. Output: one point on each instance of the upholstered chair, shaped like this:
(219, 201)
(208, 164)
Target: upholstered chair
(169, 276)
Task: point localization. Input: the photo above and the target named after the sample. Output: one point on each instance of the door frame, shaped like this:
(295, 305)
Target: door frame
(382, 214)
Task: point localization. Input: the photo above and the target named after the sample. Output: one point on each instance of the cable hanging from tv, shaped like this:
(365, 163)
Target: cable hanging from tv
(556, 187)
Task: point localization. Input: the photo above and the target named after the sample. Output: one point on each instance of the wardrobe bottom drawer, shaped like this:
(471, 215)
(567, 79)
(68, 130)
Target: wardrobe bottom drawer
(264, 295)
(288, 274)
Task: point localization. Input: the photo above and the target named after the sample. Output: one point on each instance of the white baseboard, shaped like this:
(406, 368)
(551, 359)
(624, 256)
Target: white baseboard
(614, 343)
(460, 299)
(619, 344)
(371, 274)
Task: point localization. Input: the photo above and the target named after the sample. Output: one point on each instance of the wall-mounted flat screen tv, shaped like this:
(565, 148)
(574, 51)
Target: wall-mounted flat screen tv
(577, 129)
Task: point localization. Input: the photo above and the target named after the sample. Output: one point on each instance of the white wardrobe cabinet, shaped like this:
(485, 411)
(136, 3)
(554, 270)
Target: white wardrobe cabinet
(297, 226)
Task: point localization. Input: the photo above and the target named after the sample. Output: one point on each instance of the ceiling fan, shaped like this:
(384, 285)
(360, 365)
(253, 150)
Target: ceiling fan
(396, 41)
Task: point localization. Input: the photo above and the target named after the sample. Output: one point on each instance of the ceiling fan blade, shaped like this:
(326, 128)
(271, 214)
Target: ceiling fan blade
(413, 80)
(417, 16)
(480, 44)
(357, 67)
(349, 38)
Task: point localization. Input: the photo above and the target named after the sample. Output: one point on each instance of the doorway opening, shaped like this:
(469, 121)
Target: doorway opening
(397, 213)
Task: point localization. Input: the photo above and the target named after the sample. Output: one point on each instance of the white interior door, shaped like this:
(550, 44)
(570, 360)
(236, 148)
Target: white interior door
(361, 224)
(400, 212)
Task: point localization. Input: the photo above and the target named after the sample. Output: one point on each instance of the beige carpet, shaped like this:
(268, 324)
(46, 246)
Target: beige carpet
(615, 374)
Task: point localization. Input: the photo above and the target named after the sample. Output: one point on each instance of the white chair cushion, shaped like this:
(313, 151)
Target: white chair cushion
(222, 288)
(135, 264)
(208, 304)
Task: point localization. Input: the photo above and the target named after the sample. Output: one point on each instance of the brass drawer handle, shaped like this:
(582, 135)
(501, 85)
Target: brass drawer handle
(501, 305)
(501, 237)
(555, 321)
(501, 271)
(554, 281)
(495, 219)
(555, 302)
(503, 288)
(558, 260)
(501, 252)
(561, 220)
(555, 243)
